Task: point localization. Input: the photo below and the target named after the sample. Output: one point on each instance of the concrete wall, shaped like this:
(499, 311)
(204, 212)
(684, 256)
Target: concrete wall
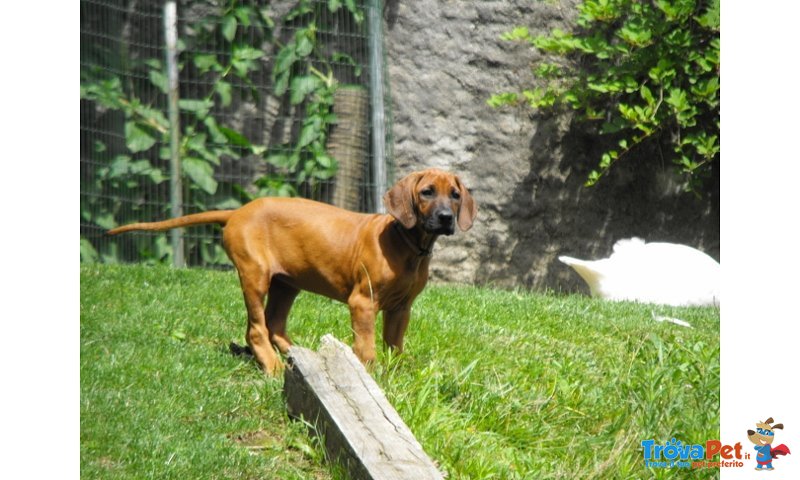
(525, 170)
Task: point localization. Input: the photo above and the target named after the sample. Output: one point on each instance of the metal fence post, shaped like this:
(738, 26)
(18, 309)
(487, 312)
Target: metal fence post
(175, 183)
(375, 19)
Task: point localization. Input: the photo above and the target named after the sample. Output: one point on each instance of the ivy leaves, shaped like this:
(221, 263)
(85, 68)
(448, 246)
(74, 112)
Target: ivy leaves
(296, 71)
(649, 71)
(220, 52)
(134, 101)
(296, 50)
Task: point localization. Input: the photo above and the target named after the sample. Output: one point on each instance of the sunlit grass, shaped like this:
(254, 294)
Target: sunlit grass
(494, 384)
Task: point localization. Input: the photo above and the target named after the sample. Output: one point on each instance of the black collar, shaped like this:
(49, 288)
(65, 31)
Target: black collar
(406, 236)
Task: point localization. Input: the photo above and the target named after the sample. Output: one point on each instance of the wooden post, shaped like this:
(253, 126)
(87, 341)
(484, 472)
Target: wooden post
(332, 390)
(347, 143)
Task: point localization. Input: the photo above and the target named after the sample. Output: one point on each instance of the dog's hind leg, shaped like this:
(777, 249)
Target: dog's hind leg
(255, 284)
(279, 302)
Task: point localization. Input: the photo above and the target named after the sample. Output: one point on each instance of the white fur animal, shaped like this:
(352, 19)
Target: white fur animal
(662, 273)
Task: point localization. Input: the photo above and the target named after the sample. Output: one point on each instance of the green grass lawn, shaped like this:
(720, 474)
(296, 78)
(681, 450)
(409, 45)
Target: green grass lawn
(494, 384)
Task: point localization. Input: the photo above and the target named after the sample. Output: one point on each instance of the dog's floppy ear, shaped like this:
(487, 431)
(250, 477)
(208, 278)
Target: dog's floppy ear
(399, 201)
(778, 426)
(468, 210)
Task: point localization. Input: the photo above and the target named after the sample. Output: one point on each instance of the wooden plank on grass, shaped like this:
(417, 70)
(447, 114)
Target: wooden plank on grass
(332, 390)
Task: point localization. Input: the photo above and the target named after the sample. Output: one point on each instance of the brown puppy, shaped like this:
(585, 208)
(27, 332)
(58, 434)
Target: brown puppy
(371, 262)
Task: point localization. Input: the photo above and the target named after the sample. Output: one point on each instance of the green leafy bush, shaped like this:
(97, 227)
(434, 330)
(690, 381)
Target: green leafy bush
(645, 72)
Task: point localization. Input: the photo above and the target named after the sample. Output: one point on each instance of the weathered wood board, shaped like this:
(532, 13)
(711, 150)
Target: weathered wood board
(348, 143)
(332, 390)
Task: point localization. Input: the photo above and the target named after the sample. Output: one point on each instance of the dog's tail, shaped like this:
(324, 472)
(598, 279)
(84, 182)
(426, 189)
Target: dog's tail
(217, 216)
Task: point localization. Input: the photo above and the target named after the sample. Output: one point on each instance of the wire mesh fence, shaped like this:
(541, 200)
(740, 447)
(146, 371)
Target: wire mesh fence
(273, 99)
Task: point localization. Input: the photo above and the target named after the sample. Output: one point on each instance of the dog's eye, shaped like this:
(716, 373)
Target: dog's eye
(428, 192)
(455, 195)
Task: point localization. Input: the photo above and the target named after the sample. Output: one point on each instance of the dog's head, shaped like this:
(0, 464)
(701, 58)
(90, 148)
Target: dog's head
(433, 200)
(764, 433)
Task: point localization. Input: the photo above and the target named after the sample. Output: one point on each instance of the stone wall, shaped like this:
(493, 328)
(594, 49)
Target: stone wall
(526, 171)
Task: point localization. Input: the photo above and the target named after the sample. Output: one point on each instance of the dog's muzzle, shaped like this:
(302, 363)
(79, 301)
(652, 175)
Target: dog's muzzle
(442, 222)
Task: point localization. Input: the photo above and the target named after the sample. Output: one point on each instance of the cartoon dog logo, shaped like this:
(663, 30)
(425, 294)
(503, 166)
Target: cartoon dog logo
(763, 438)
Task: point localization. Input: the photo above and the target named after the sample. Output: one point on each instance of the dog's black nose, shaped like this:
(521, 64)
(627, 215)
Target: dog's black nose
(445, 217)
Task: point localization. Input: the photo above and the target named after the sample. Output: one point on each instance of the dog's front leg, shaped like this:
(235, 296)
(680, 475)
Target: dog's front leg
(362, 315)
(395, 323)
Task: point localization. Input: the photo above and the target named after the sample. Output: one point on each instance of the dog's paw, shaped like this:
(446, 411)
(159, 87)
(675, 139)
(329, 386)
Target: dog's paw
(274, 370)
